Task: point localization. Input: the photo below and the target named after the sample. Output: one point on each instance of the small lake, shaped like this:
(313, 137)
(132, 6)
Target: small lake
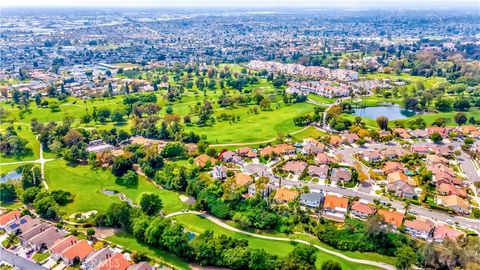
(10, 176)
(392, 112)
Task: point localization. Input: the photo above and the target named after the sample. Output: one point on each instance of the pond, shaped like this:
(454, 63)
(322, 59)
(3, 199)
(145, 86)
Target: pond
(10, 176)
(392, 112)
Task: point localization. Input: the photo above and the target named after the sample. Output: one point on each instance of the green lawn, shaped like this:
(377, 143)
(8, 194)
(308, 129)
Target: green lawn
(74, 107)
(10, 205)
(40, 257)
(428, 82)
(128, 241)
(253, 127)
(86, 185)
(321, 99)
(310, 132)
(23, 131)
(431, 117)
(198, 225)
(4, 169)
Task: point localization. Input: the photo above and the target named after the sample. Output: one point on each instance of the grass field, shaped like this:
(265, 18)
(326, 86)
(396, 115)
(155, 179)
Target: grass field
(86, 185)
(4, 169)
(321, 99)
(254, 127)
(23, 131)
(428, 82)
(128, 241)
(198, 225)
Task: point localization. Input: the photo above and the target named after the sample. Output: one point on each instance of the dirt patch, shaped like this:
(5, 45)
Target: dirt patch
(104, 232)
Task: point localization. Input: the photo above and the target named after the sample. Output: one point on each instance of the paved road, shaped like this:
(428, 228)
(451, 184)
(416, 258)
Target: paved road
(20, 262)
(219, 222)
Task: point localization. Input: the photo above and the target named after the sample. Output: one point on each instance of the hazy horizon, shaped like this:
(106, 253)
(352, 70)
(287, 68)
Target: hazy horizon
(353, 4)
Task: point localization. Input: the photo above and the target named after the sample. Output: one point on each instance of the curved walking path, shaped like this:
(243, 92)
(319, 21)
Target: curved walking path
(40, 161)
(220, 223)
(255, 143)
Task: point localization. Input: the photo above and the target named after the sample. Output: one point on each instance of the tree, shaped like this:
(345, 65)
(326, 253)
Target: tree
(73, 137)
(436, 137)
(440, 122)
(460, 118)
(54, 106)
(121, 165)
(411, 104)
(119, 215)
(7, 192)
(103, 114)
(30, 194)
(173, 150)
(301, 257)
(86, 118)
(406, 257)
(151, 204)
(118, 116)
(443, 105)
(46, 207)
(382, 122)
(461, 104)
(129, 179)
(330, 265)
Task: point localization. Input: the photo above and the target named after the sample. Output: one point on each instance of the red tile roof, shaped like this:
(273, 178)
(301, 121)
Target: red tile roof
(116, 262)
(332, 202)
(393, 217)
(7, 217)
(363, 208)
(81, 250)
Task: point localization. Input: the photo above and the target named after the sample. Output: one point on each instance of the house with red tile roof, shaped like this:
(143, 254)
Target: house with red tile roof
(419, 228)
(77, 252)
(442, 232)
(285, 195)
(60, 245)
(201, 160)
(9, 217)
(392, 166)
(243, 180)
(362, 210)
(140, 266)
(295, 167)
(335, 140)
(318, 171)
(335, 207)
(435, 159)
(420, 149)
(246, 152)
(449, 189)
(393, 218)
(455, 203)
(115, 262)
(96, 258)
(324, 159)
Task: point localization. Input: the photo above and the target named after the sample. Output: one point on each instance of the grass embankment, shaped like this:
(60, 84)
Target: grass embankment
(128, 241)
(86, 185)
(198, 224)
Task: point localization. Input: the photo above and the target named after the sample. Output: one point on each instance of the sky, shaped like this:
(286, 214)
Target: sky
(246, 3)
